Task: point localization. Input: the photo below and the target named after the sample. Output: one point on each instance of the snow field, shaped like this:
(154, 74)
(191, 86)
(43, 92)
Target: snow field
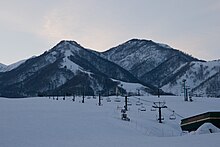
(34, 122)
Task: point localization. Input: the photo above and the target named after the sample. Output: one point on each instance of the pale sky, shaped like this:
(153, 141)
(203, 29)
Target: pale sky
(30, 27)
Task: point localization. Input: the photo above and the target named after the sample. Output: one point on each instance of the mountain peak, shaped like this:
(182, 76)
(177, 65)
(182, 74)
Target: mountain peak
(67, 45)
(136, 40)
(144, 41)
(68, 42)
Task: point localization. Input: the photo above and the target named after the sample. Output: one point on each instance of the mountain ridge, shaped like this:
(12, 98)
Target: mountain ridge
(69, 68)
(61, 65)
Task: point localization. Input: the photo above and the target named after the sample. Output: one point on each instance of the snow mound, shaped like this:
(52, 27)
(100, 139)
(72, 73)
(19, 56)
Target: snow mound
(207, 128)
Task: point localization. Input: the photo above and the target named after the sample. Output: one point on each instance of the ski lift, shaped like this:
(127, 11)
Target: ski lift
(129, 103)
(138, 103)
(172, 116)
(153, 109)
(142, 108)
(117, 100)
(108, 99)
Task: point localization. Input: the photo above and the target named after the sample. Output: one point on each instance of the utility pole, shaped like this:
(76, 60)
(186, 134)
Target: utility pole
(73, 97)
(126, 103)
(99, 98)
(159, 105)
(83, 100)
(184, 90)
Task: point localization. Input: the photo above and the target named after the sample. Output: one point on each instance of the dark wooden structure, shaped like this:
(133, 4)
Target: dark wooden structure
(194, 122)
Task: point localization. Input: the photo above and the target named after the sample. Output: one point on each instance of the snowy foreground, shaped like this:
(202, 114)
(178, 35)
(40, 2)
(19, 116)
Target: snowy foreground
(44, 122)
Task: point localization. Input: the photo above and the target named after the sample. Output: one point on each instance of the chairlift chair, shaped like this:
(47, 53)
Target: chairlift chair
(117, 100)
(108, 99)
(138, 103)
(142, 108)
(172, 116)
(153, 109)
(129, 103)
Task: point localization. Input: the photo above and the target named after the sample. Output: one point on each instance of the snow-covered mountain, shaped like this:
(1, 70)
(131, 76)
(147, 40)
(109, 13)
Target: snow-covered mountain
(209, 87)
(202, 79)
(162, 66)
(66, 68)
(2, 67)
(70, 68)
(5, 68)
(142, 56)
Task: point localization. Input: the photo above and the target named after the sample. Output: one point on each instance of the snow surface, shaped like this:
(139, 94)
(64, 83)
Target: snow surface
(68, 63)
(132, 87)
(43, 122)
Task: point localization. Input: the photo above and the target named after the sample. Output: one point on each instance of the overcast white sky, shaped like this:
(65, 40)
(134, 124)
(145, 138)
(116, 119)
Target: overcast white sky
(29, 27)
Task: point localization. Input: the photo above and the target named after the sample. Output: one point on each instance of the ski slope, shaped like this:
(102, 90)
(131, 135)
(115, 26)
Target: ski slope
(44, 122)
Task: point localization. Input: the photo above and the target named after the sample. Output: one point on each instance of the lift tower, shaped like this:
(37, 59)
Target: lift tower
(159, 105)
